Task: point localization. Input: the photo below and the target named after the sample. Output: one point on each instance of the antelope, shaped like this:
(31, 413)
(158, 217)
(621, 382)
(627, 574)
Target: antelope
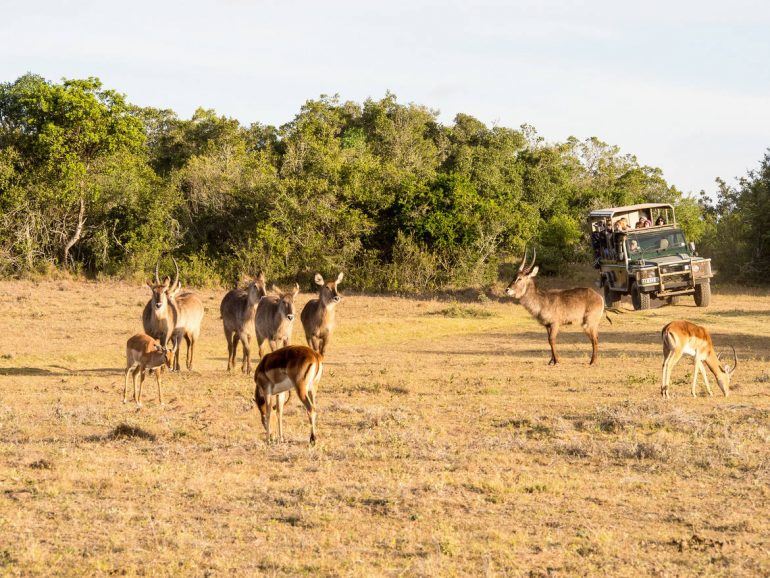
(144, 353)
(318, 314)
(274, 320)
(160, 315)
(238, 309)
(680, 338)
(296, 367)
(190, 311)
(556, 307)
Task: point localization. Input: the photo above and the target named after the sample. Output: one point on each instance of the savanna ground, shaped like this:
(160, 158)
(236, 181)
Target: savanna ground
(447, 447)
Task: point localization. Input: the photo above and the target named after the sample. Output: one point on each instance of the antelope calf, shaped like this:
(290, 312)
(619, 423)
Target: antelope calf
(318, 314)
(296, 367)
(684, 338)
(238, 310)
(274, 320)
(189, 311)
(159, 315)
(556, 307)
(143, 353)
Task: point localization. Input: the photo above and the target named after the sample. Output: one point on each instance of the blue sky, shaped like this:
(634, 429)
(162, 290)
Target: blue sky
(682, 85)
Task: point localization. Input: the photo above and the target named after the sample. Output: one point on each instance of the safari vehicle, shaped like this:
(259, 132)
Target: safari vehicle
(640, 251)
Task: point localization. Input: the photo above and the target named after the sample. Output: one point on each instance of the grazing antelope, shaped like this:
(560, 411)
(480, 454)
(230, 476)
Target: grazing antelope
(190, 311)
(556, 307)
(684, 338)
(143, 353)
(238, 309)
(274, 320)
(318, 314)
(159, 315)
(296, 367)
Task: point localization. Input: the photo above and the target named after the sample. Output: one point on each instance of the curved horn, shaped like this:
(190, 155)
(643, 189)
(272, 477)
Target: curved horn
(157, 279)
(735, 360)
(528, 270)
(176, 276)
(524, 260)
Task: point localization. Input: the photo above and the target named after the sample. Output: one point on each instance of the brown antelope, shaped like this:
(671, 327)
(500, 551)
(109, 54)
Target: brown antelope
(684, 338)
(189, 311)
(296, 367)
(159, 315)
(143, 353)
(238, 309)
(274, 320)
(556, 307)
(318, 314)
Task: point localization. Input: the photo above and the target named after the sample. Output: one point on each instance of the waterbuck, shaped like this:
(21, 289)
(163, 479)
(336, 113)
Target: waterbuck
(143, 353)
(556, 307)
(274, 320)
(160, 315)
(238, 309)
(190, 311)
(296, 367)
(318, 314)
(684, 338)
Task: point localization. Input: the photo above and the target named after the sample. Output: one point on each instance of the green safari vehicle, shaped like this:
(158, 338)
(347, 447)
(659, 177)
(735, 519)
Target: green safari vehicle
(640, 251)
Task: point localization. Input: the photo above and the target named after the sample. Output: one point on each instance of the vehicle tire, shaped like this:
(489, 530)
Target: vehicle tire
(703, 294)
(674, 300)
(611, 298)
(640, 300)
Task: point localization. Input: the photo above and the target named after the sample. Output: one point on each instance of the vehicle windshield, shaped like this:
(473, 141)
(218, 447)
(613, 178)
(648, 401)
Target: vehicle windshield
(656, 244)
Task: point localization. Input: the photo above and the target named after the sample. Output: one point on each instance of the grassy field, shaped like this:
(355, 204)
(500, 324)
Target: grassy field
(447, 447)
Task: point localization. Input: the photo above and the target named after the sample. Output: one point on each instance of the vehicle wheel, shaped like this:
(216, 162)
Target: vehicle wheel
(674, 300)
(639, 299)
(703, 294)
(611, 298)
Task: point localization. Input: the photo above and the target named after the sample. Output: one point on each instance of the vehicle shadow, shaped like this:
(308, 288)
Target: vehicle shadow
(63, 371)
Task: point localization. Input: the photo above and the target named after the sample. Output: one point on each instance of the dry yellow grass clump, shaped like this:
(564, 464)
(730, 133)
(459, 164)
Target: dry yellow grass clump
(447, 446)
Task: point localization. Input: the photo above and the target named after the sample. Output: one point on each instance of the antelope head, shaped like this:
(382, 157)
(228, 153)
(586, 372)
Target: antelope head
(256, 288)
(329, 294)
(519, 286)
(727, 372)
(167, 353)
(159, 291)
(286, 303)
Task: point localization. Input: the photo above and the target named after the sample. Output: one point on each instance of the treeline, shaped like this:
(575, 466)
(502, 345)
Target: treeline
(380, 190)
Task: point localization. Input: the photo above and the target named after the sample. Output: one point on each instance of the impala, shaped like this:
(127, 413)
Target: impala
(296, 367)
(684, 338)
(143, 353)
(274, 320)
(556, 307)
(238, 309)
(190, 311)
(318, 314)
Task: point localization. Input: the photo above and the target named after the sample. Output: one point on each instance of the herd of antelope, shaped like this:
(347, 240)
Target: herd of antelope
(172, 314)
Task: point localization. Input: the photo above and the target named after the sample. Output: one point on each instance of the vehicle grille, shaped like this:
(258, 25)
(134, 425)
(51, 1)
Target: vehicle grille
(674, 275)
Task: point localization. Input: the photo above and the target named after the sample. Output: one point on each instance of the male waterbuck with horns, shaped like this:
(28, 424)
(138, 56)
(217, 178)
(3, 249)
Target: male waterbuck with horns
(172, 310)
(318, 314)
(556, 307)
(274, 321)
(238, 310)
(684, 338)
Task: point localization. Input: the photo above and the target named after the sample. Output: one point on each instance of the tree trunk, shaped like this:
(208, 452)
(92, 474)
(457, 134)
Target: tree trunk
(77, 234)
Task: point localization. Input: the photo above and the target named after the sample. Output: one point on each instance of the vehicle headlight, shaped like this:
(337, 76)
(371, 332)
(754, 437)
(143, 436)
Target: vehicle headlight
(696, 268)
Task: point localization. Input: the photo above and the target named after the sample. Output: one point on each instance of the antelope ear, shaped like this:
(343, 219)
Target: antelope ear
(534, 271)
(159, 347)
(319, 280)
(726, 368)
(339, 277)
(261, 277)
(166, 281)
(296, 290)
(275, 289)
(150, 285)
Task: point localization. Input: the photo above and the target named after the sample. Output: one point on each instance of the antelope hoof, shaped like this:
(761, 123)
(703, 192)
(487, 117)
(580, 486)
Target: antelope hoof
(553, 362)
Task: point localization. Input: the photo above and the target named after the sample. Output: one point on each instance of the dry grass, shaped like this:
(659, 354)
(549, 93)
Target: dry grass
(447, 447)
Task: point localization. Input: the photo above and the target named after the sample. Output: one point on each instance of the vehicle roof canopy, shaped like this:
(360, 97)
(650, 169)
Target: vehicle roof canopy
(612, 211)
